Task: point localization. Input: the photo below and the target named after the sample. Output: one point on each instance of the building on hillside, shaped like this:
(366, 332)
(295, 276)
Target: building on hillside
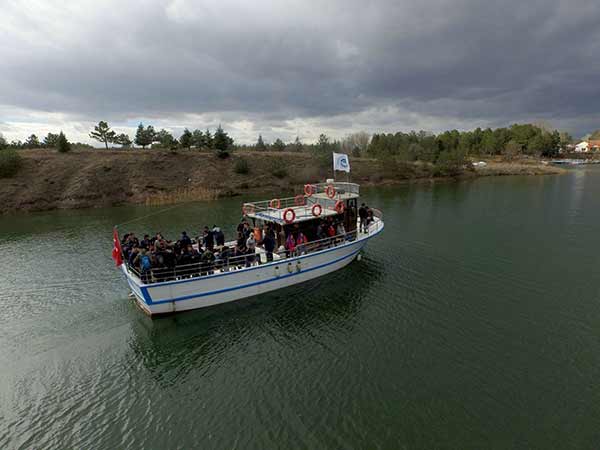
(582, 147)
(594, 145)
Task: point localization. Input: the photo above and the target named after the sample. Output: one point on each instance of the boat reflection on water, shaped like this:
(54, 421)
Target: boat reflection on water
(173, 346)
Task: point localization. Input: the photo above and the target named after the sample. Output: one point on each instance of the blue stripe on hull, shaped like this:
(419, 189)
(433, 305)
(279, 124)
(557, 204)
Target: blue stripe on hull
(256, 283)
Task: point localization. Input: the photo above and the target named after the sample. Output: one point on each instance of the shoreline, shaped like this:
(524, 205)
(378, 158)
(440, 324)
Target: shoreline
(84, 179)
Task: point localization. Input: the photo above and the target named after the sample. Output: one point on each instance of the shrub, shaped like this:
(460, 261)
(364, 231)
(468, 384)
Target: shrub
(278, 168)
(241, 166)
(10, 162)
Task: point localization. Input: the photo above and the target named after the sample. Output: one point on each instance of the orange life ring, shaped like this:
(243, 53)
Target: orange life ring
(286, 214)
(330, 191)
(248, 209)
(317, 210)
(275, 203)
(339, 207)
(299, 200)
(308, 190)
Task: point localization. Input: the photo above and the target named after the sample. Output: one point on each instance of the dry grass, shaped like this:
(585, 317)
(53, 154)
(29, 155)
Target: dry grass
(184, 195)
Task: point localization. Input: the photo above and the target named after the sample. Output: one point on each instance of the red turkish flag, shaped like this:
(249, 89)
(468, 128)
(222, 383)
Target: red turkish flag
(117, 253)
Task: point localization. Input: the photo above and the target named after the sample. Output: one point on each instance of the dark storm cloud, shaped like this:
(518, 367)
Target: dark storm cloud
(450, 63)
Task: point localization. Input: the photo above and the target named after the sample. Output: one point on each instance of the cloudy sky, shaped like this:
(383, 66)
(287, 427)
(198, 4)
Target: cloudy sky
(287, 68)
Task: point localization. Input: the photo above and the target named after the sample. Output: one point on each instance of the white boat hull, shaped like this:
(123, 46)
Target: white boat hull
(186, 294)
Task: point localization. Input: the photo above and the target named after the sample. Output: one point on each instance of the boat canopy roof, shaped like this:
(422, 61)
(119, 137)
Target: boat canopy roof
(303, 207)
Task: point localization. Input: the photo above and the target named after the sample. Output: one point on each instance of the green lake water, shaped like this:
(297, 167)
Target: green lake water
(472, 322)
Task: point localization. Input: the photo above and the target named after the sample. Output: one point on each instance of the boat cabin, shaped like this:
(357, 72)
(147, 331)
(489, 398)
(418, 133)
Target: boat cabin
(331, 202)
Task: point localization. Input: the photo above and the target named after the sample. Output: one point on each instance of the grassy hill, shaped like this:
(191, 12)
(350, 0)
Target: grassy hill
(96, 178)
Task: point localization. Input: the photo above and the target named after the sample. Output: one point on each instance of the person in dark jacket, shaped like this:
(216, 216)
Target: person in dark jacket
(363, 214)
(208, 239)
(269, 244)
(219, 236)
(185, 240)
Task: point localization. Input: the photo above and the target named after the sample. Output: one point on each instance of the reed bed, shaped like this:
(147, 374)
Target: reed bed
(183, 195)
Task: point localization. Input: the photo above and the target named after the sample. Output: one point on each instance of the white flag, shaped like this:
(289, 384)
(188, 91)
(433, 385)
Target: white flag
(341, 162)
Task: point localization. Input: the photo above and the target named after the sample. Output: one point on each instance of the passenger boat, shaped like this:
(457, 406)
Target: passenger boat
(190, 287)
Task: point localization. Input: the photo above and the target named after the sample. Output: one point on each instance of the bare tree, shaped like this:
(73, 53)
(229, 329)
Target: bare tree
(357, 143)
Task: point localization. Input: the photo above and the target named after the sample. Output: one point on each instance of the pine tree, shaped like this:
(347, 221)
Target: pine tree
(198, 139)
(103, 133)
(32, 142)
(50, 140)
(222, 143)
(123, 140)
(186, 140)
(279, 145)
(144, 136)
(260, 144)
(208, 139)
(62, 144)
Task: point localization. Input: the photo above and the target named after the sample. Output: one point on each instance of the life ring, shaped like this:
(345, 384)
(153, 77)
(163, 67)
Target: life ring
(339, 207)
(275, 203)
(286, 215)
(330, 191)
(308, 190)
(317, 210)
(299, 200)
(248, 209)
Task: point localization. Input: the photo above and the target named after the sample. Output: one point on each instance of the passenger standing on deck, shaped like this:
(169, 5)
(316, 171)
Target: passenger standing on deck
(363, 214)
(219, 236)
(341, 231)
(369, 218)
(246, 230)
(185, 240)
(250, 249)
(208, 239)
(145, 264)
(290, 245)
(269, 244)
(301, 242)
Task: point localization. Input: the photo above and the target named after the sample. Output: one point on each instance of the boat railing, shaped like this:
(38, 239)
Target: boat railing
(377, 213)
(228, 263)
(301, 200)
(270, 205)
(341, 187)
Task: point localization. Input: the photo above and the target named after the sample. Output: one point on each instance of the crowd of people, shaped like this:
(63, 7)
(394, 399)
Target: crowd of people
(156, 258)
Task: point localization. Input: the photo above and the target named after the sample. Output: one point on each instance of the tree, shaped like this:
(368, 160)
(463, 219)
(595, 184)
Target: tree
(297, 145)
(512, 150)
(187, 138)
(208, 139)
(32, 142)
(165, 138)
(260, 144)
(222, 143)
(357, 143)
(122, 140)
(3, 143)
(103, 133)
(198, 139)
(62, 144)
(144, 136)
(278, 145)
(565, 139)
(595, 135)
(51, 140)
